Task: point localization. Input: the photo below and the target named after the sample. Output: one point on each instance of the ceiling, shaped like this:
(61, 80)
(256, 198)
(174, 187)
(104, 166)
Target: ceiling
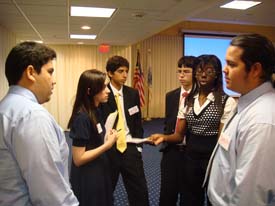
(133, 21)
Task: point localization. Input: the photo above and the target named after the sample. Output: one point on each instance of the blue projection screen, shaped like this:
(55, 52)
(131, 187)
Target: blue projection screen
(196, 45)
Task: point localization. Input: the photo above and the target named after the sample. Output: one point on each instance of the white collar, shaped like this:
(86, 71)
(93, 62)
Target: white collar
(210, 96)
(115, 91)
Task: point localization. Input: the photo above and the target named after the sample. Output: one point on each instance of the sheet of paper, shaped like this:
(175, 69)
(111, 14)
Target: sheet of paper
(110, 122)
(139, 141)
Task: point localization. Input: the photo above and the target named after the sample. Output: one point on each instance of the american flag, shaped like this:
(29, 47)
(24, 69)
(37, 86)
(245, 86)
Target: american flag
(138, 81)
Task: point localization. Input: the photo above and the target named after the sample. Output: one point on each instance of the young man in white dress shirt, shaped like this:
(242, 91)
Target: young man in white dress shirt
(128, 163)
(242, 171)
(33, 149)
(172, 153)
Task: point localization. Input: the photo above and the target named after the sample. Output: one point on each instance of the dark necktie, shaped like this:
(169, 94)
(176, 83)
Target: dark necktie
(183, 96)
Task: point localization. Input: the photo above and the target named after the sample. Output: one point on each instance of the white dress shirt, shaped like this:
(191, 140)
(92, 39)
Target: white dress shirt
(33, 154)
(243, 169)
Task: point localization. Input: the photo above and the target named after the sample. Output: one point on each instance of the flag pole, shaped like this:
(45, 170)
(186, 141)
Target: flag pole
(148, 104)
(148, 87)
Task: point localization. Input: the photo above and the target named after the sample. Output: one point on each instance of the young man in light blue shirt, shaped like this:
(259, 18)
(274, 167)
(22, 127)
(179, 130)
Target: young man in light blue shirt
(242, 171)
(33, 149)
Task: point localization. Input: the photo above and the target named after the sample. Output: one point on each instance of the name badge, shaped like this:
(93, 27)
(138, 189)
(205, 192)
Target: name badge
(99, 128)
(224, 141)
(133, 110)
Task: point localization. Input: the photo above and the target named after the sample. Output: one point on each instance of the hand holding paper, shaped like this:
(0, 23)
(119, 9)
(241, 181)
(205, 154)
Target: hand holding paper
(157, 138)
(111, 137)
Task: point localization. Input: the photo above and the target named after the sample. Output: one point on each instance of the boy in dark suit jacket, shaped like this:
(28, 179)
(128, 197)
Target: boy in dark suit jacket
(172, 157)
(127, 161)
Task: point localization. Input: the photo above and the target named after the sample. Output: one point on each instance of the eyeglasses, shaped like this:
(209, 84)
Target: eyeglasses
(208, 71)
(179, 71)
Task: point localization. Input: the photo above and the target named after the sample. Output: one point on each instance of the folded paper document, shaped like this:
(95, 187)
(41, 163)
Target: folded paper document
(109, 124)
(139, 141)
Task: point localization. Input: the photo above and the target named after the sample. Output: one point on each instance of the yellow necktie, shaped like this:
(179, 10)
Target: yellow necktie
(121, 141)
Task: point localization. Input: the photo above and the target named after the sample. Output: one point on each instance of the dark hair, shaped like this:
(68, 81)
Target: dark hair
(256, 48)
(187, 61)
(217, 90)
(23, 55)
(115, 62)
(90, 83)
(190, 61)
